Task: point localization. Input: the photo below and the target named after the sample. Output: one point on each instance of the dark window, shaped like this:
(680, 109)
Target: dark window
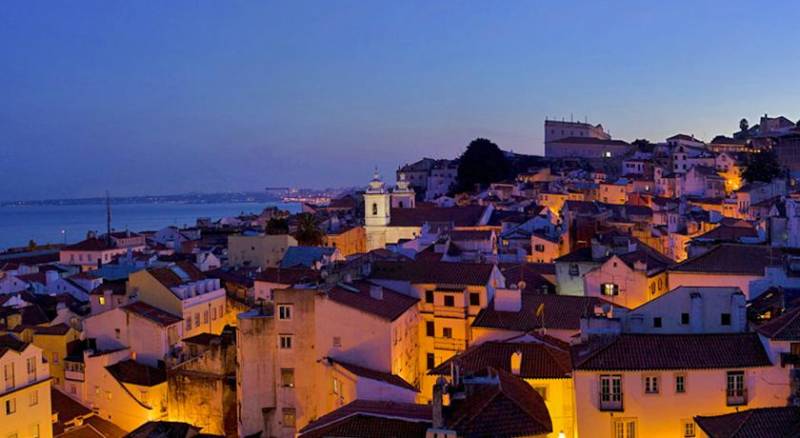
(539, 247)
(431, 361)
(429, 296)
(657, 322)
(474, 299)
(447, 332)
(429, 328)
(573, 270)
(449, 300)
(684, 318)
(725, 319)
(374, 209)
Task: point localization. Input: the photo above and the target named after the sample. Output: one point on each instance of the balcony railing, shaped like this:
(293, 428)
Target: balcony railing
(450, 344)
(736, 397)
(74, 375)
(611, 402)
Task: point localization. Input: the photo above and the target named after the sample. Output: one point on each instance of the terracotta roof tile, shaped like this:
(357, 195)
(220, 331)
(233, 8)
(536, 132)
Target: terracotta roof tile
(562, 312)
(357, 295)
(369, 373)
(671, 352)
(151, 313)
(416, 217)
(783, 328)
(777, 422)
(370, 418)
(476, 274)
(539, 361)
(731, 258)
(130, 371)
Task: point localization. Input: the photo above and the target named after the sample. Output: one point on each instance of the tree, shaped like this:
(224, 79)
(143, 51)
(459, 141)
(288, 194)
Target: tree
(744, 125)
(763, 166)
(481, 164)
(308, 231)
(277, 225)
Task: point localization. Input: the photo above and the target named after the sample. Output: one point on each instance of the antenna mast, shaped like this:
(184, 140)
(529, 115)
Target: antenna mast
(108, 218)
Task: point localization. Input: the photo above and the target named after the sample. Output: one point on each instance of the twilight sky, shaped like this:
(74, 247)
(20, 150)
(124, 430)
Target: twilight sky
(169, 97)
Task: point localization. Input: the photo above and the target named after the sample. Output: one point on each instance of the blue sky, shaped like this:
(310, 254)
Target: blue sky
(168, 97)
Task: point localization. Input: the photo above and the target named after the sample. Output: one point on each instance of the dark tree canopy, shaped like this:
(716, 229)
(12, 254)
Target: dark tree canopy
(308, 231)
(277, 226)
(744, 125)
(763, 167)
(482, 163)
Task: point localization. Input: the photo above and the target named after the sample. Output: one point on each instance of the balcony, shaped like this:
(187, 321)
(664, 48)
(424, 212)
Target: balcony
(736, 397)
(611, 402)
(449, 344)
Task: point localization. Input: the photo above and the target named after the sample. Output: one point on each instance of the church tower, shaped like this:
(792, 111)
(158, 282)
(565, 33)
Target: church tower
(377, 208)
(403, 195)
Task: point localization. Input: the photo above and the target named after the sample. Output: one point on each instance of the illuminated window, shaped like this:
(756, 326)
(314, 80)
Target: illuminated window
(289, 417)
(609, 289)
(102, 301)
(689, 430)
(287, 377)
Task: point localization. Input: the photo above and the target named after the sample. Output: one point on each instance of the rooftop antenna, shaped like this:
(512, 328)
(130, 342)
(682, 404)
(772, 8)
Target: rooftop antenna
(108, 218)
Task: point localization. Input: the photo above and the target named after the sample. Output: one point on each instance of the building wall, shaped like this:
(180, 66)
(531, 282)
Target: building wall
(743, 282)
(54, 348)
(635, 287)
(263, 251)
(349, 242)
(663, 414)
(30, 394)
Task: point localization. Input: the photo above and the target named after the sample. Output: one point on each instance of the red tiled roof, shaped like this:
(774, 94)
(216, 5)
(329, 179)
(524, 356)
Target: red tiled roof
(371, 418)
(777, 422)
(67, 409)
(461, 235)
(117, 287)
(9, 342)
(729, 233)
(357, 295)
(731, 258)
(671, 352)
(369, 373)
(135, 373)
(151, 313)
(539, 361)
(288, 275)
(58, 329)
(91, 244)
(531, 274)
(562, 312)
(511, 407)
(415, 217)
(476, 274)
(783, 328)
(169, 278)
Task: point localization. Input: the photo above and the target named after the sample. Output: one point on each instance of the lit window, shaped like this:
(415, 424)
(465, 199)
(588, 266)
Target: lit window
(289, 417)
(609, 289)
(287, 377)
(285, 312)
(102, 301)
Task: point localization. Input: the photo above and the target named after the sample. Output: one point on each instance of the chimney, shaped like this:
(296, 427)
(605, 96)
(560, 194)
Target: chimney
(696, 312)
(507, 300)
(516, 362)
(376, 292)
(438, 400)
(738, 312)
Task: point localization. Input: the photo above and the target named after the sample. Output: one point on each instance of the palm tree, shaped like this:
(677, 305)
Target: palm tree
(308, 232)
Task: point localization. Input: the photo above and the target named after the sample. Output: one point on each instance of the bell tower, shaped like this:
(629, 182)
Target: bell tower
(403, 195)
(377, 207)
